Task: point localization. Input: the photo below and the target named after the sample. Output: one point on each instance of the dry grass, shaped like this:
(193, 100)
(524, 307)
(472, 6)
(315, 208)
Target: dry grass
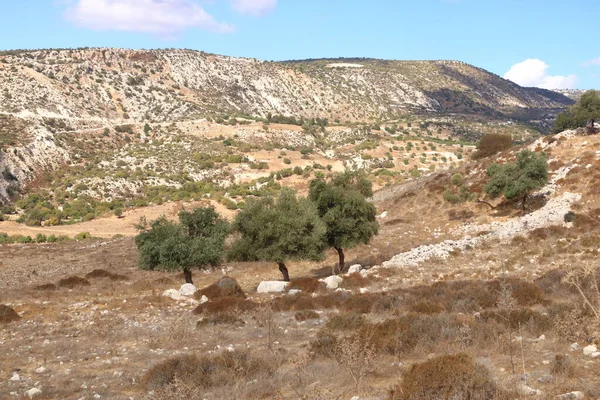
(305, 315)
(308, 285)
(225, 304)
(104, 274)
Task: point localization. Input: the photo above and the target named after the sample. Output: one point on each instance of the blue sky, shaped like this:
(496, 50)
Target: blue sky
(545, 43)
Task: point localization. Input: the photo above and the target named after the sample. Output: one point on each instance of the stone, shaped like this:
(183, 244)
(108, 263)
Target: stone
(293, 292)
(589, 350)
(355, 398)
(15, 377)
(33, 392)
(187, 289)
(575, 346)
(364, 273)
(272, 287)
(545, 379)
(542, 337)
(528, 390)
(570, 396)
(383, 214)
(332, 282)
(354, 269)
(203, 299)
(173, 294)
(40, 370)
(595, 354)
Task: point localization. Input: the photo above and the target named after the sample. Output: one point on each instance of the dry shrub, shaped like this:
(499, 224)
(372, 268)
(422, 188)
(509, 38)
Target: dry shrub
(225, 318)
(304, 301)
(104, 274)
(556, 232)
(525, 293)
(563, 365)
(163, 280)
(354, 281)
(306, 315)
(492, 143)
(7, 314)
(462, 215)
(460, 296)
(427, 307)
(454, 376)
(73, 282)
(224, 287)
(536, 322)
(308, 285)
(345, 322)
(47, 287)
(552, 282)
(208, 371)
(361, 303)
(225, 304)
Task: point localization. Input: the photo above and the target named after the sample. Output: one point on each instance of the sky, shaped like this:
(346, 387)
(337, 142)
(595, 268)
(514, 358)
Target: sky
(544, 43)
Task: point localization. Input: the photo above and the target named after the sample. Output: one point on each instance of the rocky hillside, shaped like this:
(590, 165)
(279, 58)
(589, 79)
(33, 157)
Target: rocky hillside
(166, 85)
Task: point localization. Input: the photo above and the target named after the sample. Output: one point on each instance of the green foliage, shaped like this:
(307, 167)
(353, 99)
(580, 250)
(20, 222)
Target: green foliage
(518, 179)
(276, 230)
(578, 115)
(197, 241)
(343, 207)
(458, 192)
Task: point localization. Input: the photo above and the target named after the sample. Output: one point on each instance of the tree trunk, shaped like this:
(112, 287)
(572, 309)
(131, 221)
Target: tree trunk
(524, 202)
(284, 271)
(341, 264)
(187, 274)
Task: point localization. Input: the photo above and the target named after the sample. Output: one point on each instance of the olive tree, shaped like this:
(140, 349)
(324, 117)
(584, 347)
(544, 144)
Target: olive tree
(197, 241)
(518, 179)
(587, 109)
(342, 205)
(277, 230)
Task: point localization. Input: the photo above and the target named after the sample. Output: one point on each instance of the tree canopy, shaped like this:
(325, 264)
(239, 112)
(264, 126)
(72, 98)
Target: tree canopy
(342, 205)
(587, 109)
(518, 179)
(197, 241)
(277, 230)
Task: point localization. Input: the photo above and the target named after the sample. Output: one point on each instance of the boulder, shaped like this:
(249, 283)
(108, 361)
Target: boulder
(354, 269)
(272, 287)
(33, 392)
(187, 289)
(332, 282)
(526, 390)
(595, 354)
(173, 294)
(570, 396)
(589, 350)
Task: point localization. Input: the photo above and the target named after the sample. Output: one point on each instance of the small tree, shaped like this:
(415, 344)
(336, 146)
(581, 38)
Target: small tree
(278, 230)
(492, 143)
(517, 180)
(587, 109)
(196, 242)
(342, 205)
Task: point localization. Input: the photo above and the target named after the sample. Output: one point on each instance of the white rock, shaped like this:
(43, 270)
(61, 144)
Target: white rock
(528, 390)
(542, 337)
(383, 214)
(355, 398)
(203, 299)
(173, 294)
(40, 370)
(31, 393)
(363, 290)
(575, 346)
(187, 289)
(363, 273)
(354, 269)
(595, 354)
(15, 377)
(272, 287)
(293, 292)
(332, 282)
(589, 350)
(570, 396)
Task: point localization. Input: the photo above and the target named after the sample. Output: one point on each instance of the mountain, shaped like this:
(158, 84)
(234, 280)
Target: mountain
(167, 85)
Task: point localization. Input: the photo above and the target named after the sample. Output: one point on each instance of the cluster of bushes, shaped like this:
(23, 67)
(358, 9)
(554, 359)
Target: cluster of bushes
(39, 238)
(459, 191)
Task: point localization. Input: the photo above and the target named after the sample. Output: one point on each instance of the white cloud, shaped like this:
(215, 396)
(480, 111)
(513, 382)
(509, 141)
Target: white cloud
(253, 7)
(594, 61)
(532, 72)
(164, 17)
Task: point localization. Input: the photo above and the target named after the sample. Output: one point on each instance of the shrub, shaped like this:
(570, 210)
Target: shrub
(46, 287)
(225, 304)
(287, 161)
(492, 143)
(207, 371)
(83, 236)
(347, 321)
(7, 314)
(103, 274)
(304, 315)
(73, 282)
(308, 285)
(455, 376)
